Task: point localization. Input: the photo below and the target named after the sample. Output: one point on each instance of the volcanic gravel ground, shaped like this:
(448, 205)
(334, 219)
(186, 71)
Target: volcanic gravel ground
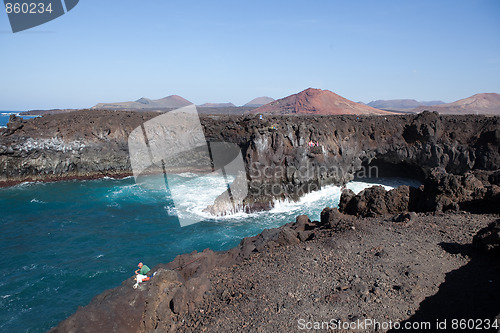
(380, 270)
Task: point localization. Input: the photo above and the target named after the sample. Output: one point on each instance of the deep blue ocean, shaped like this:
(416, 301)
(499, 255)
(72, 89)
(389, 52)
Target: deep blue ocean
(63, 243)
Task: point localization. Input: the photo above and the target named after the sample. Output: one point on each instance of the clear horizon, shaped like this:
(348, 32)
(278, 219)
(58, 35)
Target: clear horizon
(234, 52)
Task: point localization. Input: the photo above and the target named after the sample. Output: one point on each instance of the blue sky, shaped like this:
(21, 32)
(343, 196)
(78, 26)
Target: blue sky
(233, 51)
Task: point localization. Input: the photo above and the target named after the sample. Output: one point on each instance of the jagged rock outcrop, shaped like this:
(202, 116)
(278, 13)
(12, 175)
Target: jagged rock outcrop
(488, 238)
(376, 201)
(440, 192)
(15, 123)
(443, 191)
(230, 202)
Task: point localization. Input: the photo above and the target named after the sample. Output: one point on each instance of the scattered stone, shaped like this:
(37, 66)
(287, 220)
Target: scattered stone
(405, 217)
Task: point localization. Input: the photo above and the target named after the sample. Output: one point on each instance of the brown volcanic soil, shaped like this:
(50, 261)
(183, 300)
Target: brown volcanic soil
(488, 103)
(421, 270)
(318, 102)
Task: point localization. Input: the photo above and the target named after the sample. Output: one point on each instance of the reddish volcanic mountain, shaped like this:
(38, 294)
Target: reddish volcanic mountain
(317, 101)
(488, 103)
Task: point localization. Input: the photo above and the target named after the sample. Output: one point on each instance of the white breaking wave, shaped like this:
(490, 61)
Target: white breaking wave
(328, 195)
(194, 193)
(113, 178)
(170, 210)
(196, 200)
(188, 175)
(197, 194)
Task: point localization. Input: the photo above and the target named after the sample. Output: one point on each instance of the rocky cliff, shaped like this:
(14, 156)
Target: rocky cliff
(285, 156)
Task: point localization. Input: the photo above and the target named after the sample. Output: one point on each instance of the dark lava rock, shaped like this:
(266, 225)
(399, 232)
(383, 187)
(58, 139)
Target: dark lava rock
(332, 218)
(494, 178)
(15, 123)
(425, 127)
(345, 198)
(444, 191)
(488, 238)
(405, 217)
(122, 309)
(303, 223)
(89, 144)
(376, 201)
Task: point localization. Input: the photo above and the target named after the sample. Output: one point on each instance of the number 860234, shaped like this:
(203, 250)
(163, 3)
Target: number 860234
(28, 8)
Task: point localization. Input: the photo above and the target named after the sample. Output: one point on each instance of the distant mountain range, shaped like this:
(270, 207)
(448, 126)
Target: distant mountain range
(259, 101)
(310, 101)
(317, 101)
(401, 104)
(487, 103)
(217, 105)
(172, 101)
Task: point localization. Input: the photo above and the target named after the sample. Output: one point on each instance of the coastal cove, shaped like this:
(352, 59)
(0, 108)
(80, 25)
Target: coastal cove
(68, 241)
(248, 167)
(65, 242)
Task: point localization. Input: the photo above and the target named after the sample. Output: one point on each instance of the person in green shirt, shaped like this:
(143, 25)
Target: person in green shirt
(140, 274)
(143, 269)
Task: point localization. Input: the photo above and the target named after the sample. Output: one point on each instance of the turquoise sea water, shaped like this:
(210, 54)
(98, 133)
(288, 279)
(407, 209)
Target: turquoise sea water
(63, 243)
(4, 117)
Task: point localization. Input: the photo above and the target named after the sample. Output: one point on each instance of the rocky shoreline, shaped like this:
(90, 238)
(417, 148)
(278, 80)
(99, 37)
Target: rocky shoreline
(378, 257)
(404, 267)
(279, 162)
(381, 255)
